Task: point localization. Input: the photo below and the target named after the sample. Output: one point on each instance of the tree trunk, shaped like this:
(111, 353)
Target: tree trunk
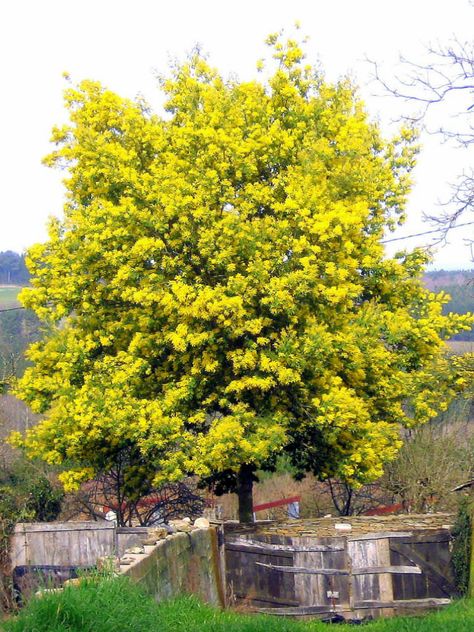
(244, 493)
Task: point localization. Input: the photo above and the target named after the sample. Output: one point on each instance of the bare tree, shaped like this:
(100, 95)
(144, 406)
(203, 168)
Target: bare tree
(351, 501)
(137, 502)
(430, 464)
(445, 81)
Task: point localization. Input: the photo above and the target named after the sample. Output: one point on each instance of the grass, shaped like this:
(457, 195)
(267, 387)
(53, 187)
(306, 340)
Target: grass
(8, 296)
(118, 606)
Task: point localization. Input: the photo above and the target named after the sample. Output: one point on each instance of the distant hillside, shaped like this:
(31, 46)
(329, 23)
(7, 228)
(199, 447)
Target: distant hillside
(459, 284)
(437, 279)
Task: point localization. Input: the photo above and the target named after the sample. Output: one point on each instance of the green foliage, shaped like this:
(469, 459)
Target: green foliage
(119, 606)
(26, 493)
(462, 545)
(95, 606)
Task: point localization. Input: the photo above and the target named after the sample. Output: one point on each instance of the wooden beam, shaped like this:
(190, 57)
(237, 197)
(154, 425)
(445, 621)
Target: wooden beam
(266, 546)
(54, 527)
(385, 580)
(230, 547)
(358, 605)
(392, 570)
(430, 602)
(425, 537)
(366, 570)
(309, 571)
(300, 611)
(380, 535)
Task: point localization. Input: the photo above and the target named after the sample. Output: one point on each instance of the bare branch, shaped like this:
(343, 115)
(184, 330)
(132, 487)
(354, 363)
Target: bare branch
(447, 79)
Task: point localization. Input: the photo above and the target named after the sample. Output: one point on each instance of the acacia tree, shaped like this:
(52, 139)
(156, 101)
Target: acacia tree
(217, 291)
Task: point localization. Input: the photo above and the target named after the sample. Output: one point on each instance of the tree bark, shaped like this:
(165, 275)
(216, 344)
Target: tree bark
(245, 493)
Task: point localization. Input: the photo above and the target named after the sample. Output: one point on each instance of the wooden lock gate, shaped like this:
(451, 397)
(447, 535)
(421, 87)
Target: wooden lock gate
(373, 573)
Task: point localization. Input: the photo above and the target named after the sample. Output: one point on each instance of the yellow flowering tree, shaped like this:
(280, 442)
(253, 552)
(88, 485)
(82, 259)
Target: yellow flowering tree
(217, 292)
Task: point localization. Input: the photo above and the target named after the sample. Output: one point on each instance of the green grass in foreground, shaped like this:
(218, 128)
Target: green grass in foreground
(118, 606)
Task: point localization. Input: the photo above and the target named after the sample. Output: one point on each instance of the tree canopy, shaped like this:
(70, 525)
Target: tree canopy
(218, 292)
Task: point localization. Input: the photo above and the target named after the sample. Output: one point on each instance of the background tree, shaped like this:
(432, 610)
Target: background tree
(444, 82)
(217, 292)
(27, 494)
(18, 329)
(13, 269)
(108, 492)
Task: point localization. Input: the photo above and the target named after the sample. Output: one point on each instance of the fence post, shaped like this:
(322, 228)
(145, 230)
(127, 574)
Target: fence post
(471, 561)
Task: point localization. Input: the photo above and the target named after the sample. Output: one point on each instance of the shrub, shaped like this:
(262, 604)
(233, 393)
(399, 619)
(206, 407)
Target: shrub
(26, 494)
(462, 546)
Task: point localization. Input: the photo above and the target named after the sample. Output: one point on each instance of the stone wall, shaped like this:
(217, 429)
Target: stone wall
(182, 563)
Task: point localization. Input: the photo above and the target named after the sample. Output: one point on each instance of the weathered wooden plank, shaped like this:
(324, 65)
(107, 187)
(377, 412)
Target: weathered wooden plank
(429, 537)
(309, 571)
(267, 546)
(54, 527)
(358, 605)
(385, 579)
(380, 570)
(433, 573)
(301, 611)
(404, 603)
(364, 553)
(380, 535)
(240, 548)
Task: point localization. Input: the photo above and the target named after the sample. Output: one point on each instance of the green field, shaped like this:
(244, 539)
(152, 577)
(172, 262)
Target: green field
(115, 605)
(8, 296)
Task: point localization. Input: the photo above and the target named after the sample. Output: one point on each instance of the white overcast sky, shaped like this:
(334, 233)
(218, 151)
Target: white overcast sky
(123, 44)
